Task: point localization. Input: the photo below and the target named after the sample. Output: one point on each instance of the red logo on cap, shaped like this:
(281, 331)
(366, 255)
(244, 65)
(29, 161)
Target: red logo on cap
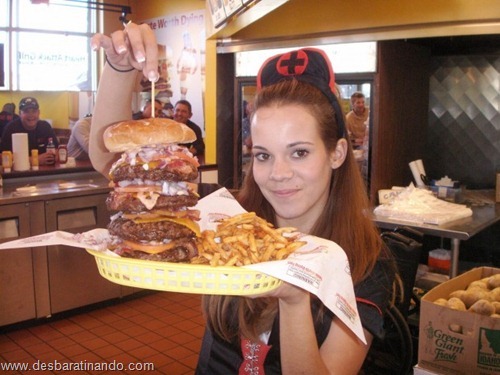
(292, 63)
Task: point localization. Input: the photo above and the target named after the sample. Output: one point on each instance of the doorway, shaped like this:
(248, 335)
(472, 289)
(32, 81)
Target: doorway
(361, 146)
(245, 89)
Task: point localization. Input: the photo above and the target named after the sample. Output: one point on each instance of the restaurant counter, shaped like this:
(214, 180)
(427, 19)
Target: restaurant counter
(41, 281)
(485, 213)
(50, 170)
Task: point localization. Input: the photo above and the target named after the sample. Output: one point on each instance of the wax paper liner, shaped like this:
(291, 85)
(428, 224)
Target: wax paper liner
(320, 267)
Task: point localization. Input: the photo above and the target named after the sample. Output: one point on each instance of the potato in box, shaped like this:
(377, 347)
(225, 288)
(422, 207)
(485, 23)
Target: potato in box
(456, 341)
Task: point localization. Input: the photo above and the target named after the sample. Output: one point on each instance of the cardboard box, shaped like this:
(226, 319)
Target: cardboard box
(474, 350)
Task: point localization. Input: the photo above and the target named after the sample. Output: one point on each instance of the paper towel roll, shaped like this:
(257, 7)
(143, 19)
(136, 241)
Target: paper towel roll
(20, 152)
(415, 170)
(420, 165)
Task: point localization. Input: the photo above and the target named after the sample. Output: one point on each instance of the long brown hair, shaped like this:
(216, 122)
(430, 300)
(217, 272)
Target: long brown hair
(344, 219)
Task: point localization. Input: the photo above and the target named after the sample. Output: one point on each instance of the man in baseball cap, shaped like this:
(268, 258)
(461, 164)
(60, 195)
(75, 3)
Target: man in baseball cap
(39, 131)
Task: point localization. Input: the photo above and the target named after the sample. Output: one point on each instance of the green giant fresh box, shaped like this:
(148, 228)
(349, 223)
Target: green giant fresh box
(455, 340)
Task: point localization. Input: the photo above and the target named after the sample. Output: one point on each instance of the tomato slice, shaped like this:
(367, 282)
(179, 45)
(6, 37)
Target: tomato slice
(188, 158)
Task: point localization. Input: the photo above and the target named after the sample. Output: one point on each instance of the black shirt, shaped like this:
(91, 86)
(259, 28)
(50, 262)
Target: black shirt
(372, 295)
(37, 138)
(5, 118)
(199, 145)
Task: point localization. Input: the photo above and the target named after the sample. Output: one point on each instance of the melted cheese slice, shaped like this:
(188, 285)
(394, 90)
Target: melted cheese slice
(148, 199)
(150, 249)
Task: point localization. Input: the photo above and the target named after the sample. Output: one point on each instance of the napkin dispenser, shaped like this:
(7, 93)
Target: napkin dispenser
(447, 189)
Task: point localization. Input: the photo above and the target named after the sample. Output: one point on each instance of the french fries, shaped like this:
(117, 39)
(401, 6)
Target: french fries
(245, 239)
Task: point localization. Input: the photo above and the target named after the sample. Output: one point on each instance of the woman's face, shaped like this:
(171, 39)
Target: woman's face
(291, 164)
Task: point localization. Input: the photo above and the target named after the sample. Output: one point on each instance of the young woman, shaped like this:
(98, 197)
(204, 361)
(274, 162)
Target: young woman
(302, 174)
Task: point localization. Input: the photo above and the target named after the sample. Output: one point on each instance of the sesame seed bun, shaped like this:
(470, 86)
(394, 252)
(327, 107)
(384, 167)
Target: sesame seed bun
(126, 135)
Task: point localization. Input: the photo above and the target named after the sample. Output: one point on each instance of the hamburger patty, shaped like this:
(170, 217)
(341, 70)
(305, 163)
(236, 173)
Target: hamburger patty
(179, 171)
(129, 203)
(150, 231)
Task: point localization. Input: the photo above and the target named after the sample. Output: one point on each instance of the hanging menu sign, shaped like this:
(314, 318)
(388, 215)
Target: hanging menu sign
(217, 11)
(222, 10)
(232, 6)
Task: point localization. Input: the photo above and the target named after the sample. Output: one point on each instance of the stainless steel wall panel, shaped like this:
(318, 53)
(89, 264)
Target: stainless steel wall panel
(73, 275)
(17, 289)
(464, 119)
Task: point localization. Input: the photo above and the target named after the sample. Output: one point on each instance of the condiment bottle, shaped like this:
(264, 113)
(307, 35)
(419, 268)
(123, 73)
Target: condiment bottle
(62, 153)
(7, 160)
(34, 159)
(51, 148)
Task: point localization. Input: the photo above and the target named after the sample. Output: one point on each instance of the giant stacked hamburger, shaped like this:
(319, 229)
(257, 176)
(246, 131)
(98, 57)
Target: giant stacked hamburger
(152, 195)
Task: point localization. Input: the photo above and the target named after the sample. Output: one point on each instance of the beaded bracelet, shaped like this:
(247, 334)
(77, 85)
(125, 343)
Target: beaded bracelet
(118, 70)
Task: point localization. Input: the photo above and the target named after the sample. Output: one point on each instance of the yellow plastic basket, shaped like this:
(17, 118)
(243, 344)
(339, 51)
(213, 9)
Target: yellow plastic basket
(183, 277)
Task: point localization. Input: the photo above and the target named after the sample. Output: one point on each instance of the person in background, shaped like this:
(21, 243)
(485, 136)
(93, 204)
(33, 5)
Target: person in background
(147, 111)
(7, 115)
(357, 120)
(78, 144)
(183, 113)
(302, 174)
(168, 110)
(39, 131)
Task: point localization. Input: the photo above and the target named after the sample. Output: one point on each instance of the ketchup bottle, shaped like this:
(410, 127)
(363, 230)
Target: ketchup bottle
(62, 153)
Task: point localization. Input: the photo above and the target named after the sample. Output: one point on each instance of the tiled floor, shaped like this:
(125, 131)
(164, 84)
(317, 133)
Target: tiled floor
(164, 329)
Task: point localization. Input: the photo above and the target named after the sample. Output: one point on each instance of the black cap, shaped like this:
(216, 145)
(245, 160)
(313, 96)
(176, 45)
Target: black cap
(9, 108)
(310, 65)
(28, 103)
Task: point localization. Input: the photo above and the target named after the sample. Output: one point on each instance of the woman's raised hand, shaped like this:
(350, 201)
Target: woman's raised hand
(134, 47)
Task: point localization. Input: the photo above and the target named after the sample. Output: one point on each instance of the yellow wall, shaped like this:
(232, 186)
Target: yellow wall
(154, 8)
(53, 105)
